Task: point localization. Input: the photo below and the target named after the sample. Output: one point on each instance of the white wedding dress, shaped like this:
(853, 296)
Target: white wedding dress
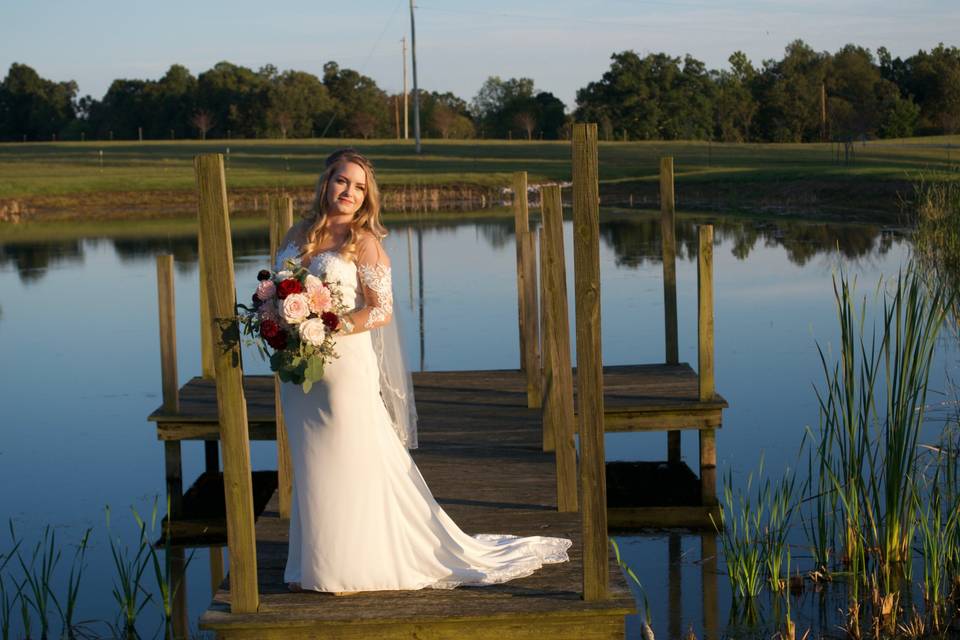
(362, 517)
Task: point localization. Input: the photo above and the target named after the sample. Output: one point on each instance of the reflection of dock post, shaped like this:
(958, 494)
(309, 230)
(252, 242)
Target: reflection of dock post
(281, 219)
(668, 241)
(708, 585)
(527, 291)
(558, 415)
(675, 583)
(178, 582)
(708, 443)
(166, 307)
(217, 251)
(586, 254)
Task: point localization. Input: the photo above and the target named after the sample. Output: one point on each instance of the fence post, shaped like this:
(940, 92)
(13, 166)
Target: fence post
(586, 255)
(217, 251)
(281, 219)
(708, 446)
(668, 241)
(532, 322)
(521, 224)
(558, 414)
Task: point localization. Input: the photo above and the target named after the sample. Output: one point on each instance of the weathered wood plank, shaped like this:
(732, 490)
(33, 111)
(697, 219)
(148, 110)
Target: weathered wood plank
(166, 309)
(586, 255)
(521, 225)
(705, 312)
(532, 322)
(232, 407)
(558, 412)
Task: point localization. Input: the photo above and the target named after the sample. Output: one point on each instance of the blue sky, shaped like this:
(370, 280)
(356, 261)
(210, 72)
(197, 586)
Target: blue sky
(561, 45)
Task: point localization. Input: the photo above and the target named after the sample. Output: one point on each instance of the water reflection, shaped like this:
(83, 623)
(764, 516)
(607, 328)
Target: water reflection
(634, 239)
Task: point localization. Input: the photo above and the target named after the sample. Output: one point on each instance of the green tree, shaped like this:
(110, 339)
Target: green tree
(734, 104)
(34, 107)
(236, 97)
(788, 91)
(360, 107)
(299, 103)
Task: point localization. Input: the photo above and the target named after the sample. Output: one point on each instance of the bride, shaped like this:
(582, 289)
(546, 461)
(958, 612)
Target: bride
(362, 517)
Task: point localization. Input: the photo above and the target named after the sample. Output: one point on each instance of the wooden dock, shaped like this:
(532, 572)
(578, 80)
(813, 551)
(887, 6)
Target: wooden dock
(480, 452)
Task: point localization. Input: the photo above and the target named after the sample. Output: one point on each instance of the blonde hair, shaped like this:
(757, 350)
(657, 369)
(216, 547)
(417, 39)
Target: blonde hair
(366, 218)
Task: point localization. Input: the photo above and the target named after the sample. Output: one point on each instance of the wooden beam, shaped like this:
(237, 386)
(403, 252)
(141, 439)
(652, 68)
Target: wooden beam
(705, 313)
(217, 250)
(546, 332)
(168, 333)
(558, 416)
(206, 339)
(532, 322)
(281, 219)
(668, 242)
(216, 569)
(521, 225)
(173, 468)
(586, 258)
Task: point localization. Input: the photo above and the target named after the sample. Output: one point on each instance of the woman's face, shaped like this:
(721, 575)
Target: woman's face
(346, 190)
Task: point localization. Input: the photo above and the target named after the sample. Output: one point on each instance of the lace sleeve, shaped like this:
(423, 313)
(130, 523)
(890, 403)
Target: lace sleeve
(373, 269)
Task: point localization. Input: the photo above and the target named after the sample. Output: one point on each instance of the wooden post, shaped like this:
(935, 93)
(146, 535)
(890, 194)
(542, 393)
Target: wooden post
(168, 374)
(281, 219)
(546, 328)
(216, 569)
(168, 333)
(532, 322)
(521, 226)
(558, 414)
(173, 470)
(206, 339)
(217, 251)
(668, 242)
(708, 446)
(586, 258)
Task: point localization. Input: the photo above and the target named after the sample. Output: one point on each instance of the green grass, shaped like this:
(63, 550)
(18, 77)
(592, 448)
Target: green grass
(66, 168)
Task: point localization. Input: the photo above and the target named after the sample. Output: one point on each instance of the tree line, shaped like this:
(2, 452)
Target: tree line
(804, 96)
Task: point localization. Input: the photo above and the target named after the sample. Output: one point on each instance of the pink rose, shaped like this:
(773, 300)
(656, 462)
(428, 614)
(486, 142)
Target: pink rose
(320, 299)
(266, 290)
(295, 308)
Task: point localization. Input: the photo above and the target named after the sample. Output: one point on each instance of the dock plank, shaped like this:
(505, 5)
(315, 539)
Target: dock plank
(480, 452)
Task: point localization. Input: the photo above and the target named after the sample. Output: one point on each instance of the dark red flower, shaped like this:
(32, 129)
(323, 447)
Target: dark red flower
(330, 320)
(263, 274)
(256, 301)
(279, 341)
(269, 329)
(288, 287)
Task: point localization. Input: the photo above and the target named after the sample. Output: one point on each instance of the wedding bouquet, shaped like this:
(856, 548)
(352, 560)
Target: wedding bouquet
(296, 314)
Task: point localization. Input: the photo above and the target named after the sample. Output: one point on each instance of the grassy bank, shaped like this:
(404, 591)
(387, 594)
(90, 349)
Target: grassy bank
(134, 178)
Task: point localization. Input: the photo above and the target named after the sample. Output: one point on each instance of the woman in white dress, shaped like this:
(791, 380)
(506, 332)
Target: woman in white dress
(362, 517)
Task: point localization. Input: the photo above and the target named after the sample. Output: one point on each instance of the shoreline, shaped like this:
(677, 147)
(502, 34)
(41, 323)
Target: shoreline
(843, 199)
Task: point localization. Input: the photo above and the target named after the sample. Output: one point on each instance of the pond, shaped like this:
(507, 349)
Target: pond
(79, 345)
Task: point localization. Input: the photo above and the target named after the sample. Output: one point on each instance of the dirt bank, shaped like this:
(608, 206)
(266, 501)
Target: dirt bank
(847, 199)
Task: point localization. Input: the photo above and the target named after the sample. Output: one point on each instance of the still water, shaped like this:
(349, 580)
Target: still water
(80, 358)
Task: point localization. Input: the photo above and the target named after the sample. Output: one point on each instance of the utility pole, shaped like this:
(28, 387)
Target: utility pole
(823, 112)
(416, 94)
(406, 114)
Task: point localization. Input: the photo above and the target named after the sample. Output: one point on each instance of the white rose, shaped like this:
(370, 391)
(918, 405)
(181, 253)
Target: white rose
(283, 275)
(296, 307)
(313, 332)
